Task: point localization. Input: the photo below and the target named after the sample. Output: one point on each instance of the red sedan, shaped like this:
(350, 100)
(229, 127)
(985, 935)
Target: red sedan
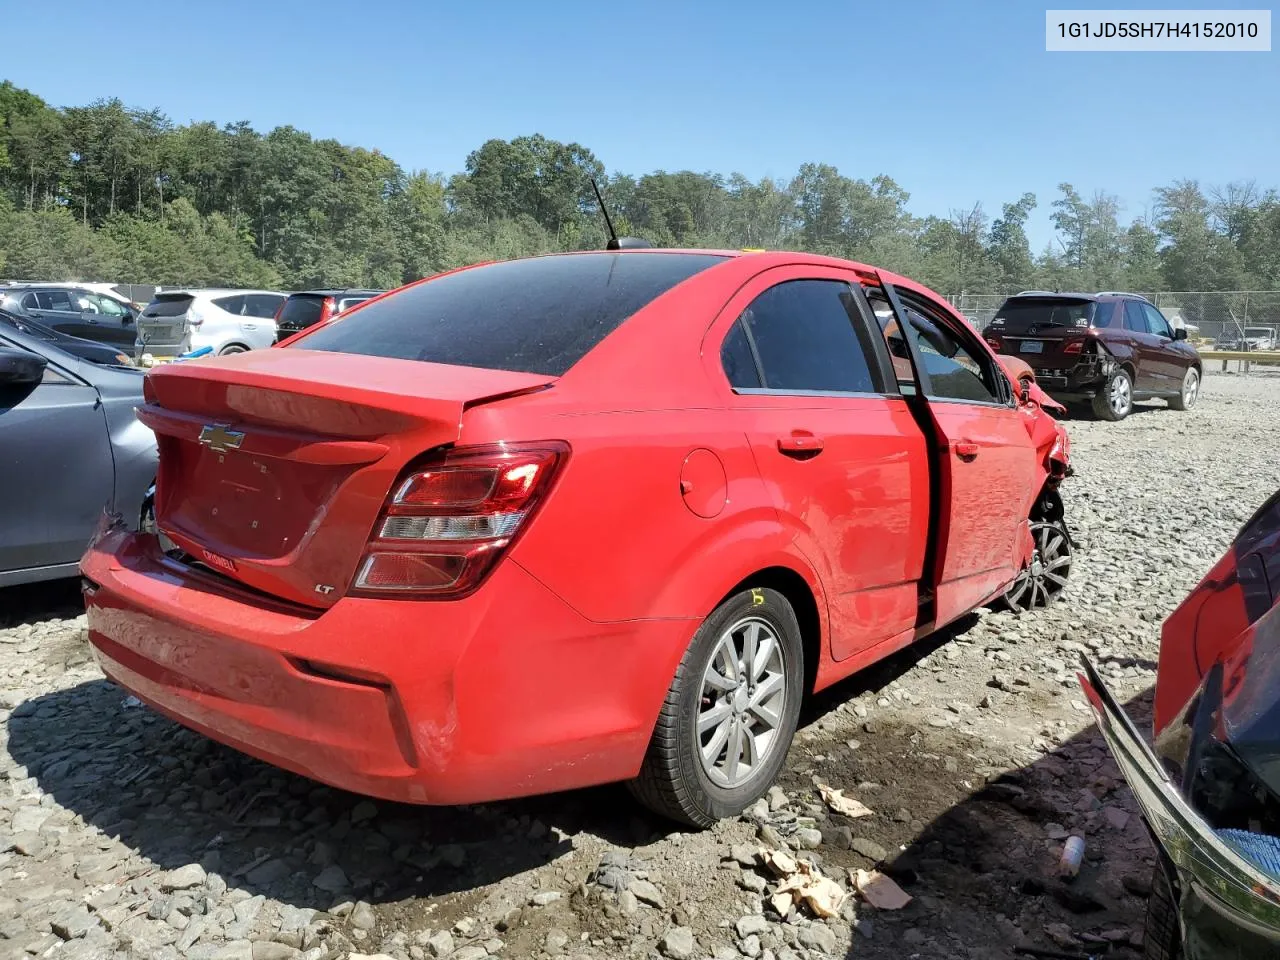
(540, 524)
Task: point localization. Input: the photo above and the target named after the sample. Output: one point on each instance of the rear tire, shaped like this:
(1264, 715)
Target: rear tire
(1115, 400)
(232, 348)
(716, 705)
(1190, 391)
(1161, 937)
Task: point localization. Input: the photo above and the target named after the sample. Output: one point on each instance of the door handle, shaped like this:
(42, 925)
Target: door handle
(800, 444)
(966, 450)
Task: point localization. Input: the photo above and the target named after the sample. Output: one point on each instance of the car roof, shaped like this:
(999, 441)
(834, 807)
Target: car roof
(1073, 295)
(210, 292)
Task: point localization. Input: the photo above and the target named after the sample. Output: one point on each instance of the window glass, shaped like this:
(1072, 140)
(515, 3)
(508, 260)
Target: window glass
(1156, 323)
(739, 364)
(262, 305)
(1133, 317)
(54, 300)
(536, 315)
(955, 373)
(301, 310)
(804, 333)
(30, 302)
(233, 305)
(1104, 314)
(106, 306)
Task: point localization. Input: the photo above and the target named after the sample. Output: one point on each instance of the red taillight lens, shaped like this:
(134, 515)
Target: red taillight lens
(995, 344)
(326, 311)
(1073, 347)
(447, 524)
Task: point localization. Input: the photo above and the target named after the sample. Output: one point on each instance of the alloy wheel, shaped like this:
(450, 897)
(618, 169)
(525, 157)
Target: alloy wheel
(1045, 577)
(742, 702)
(1120, 395)
(1190, 389)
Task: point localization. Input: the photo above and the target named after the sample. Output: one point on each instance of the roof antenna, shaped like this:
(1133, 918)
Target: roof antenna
(625, 243)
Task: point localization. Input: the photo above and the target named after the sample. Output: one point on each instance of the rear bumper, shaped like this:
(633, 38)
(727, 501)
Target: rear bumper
(507, 693)
(1084, 380)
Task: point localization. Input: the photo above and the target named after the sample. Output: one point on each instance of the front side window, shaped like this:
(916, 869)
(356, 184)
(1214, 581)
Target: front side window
(808, 337)
(955, 371)
(262, 305)
(1156, 323)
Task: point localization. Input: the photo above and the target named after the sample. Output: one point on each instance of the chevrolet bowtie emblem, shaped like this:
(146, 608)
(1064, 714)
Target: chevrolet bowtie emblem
(217, 437)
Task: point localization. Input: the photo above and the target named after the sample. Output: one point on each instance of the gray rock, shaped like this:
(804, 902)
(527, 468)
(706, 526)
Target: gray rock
(331, 879)
(744, 853)
(646, 892)
(267, 873)
(678, 943)
(193, 931)
(73, 923)
(29, 845)
(545, 898)
(751, 946)
(29, 819)
(235, 950)
(473, 952)
(817, 936)
(362, 917)
(269, 950)
(752, 923)
(364, 810)
(770, 836)
(628, 903)
(245, 913)
(440, 944)
(808, 838)
(750, 880)
(184, 878)
(869, 849)
(555, 942)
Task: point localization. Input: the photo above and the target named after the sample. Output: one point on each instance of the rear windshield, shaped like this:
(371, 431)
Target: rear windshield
(167, 307)
(301, 311)
(1018, 316)
(540, 315)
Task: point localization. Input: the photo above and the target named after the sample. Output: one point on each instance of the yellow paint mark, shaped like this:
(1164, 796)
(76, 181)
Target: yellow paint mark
(757, 598)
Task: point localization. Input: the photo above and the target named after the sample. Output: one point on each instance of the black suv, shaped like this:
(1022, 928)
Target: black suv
(1106, 349)
(306, 308)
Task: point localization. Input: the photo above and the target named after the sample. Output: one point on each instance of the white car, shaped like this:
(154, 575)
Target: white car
(226, 321)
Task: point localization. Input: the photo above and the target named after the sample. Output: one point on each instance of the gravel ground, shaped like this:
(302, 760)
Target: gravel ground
(122, 834)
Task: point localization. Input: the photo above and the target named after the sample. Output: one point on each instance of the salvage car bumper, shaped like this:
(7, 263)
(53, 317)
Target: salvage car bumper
(481, 700)
(1082, 381)
(1229, 907)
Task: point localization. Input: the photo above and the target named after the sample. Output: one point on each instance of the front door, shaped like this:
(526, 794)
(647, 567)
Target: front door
(55, 470)
(834, 442)
(985, 459)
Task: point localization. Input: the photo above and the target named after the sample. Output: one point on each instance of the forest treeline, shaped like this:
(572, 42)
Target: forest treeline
(107, 191)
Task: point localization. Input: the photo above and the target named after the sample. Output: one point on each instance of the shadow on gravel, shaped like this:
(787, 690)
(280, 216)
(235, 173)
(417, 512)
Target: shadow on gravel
(179, 798)
(974, 832)
(36, 602)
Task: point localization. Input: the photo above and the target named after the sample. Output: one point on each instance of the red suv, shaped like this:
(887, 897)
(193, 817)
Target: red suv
(552, 522)
(1108, 349)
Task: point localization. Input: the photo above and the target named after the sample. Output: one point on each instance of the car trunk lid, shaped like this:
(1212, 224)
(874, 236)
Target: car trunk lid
(283, 458)
(1046, 333)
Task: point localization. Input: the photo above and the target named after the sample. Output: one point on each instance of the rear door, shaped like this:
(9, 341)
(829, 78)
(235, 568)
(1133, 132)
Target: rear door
(835, 443)
(106, 320)
(54, 308)
(1147, 353)
(56, 473)
(986, 464)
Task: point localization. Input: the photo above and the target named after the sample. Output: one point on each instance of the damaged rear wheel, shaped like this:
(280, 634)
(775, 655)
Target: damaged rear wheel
(1045, 577)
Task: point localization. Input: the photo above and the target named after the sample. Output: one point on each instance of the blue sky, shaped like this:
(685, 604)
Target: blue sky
(958, 102)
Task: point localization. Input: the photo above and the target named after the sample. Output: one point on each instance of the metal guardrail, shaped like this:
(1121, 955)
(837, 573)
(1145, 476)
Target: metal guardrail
(1246, 358)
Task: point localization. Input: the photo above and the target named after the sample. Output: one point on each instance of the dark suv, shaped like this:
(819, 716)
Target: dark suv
(309, 307)
(1109, 349)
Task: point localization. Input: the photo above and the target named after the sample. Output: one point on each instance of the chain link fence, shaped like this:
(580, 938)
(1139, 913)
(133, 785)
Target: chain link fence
(1222, 316)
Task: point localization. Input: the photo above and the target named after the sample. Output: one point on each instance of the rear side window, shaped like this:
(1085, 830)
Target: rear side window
(54, 300)
(540, 315)
(233, 304)
(738, 360)
(301, 311)
(1104, 314)
(806, 335)
(167, 307)
(1133, 318)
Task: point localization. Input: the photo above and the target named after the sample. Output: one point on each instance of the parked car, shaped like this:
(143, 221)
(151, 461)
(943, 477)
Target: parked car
(226, 321)
(1250, 338)
(539, 524)
(115, 291)
(1106, 349)
(75, 311)
(84, 349)
(1210, 787)
(70, 449)
(309, 307)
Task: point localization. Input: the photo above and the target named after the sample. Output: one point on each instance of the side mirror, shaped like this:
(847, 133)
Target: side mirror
(1180, 333)
(18, 368)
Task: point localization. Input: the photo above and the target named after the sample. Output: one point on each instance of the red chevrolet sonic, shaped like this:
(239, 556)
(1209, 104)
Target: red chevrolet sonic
(566, 520)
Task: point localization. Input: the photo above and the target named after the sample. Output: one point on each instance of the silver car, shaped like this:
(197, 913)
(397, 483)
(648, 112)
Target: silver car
(226, 321)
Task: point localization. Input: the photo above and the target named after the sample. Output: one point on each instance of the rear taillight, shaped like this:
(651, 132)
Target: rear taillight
(995, 344)
(452, 518)
(1073, 347)
(326, 310)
